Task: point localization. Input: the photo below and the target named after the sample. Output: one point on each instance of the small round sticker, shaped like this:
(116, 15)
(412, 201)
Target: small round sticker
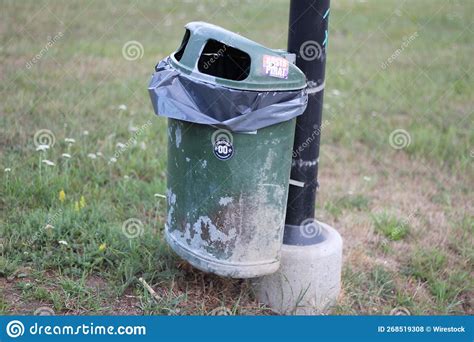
(223, 149)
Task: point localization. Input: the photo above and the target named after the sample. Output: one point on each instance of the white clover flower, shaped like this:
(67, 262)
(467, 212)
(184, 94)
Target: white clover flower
(62, 242)
(122, 107)
(126, 177)
(335, 92)
(42, 148)
(7, 170)
(70, 140)
(99, 154)
(367, 178)
(48, 162)
(49, 226)
(85, 132)
(143, 145)
(92, 156)
(120, 145)
(113, 160)
(66, 155)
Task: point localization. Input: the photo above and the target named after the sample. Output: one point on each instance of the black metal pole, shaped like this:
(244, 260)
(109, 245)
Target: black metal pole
(307, 38)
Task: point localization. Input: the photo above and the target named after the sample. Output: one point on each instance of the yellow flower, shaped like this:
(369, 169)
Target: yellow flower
(102, 247)
(82, 202)
(76, 206)
(62, 195)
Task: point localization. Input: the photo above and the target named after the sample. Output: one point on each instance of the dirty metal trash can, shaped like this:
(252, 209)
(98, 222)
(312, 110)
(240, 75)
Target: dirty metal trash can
(231, 106)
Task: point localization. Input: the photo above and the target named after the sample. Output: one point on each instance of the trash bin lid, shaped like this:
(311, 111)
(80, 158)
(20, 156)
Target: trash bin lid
(212, 54)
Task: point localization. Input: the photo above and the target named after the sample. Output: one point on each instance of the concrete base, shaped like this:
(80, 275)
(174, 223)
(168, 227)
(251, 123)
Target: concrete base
(309, 279)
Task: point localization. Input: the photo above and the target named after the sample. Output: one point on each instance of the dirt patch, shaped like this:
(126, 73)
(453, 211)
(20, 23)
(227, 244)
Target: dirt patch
(207, 292)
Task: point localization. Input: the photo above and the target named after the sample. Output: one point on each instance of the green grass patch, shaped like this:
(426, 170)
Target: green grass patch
(444, 284)
(347, 202)
(374, 291)
(390, 226)
(4, 306)
(354, 202)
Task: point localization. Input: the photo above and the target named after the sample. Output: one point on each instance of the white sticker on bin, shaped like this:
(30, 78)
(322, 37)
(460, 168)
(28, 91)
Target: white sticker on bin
(275, 66)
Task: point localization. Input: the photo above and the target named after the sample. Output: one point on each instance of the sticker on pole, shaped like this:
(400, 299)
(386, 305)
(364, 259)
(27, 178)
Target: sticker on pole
(275, 66)
(222, 142)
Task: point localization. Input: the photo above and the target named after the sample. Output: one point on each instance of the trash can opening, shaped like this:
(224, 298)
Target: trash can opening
(220, 60)
(179, 53)
(219, 78)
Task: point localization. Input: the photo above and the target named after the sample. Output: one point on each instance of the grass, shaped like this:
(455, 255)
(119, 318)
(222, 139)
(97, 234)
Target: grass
(76, 257)
(391, 227)
(376, 291)
(445, 284)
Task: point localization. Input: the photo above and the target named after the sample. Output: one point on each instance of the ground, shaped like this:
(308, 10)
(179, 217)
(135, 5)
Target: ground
(395, 170)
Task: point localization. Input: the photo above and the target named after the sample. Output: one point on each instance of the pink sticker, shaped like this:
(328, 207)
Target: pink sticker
(275, 66)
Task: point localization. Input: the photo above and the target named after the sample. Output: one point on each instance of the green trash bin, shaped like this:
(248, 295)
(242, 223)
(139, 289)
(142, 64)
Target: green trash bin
(231, 106)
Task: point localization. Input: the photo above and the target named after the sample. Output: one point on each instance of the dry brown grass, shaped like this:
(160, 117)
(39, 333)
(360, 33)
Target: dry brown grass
(408, 189)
